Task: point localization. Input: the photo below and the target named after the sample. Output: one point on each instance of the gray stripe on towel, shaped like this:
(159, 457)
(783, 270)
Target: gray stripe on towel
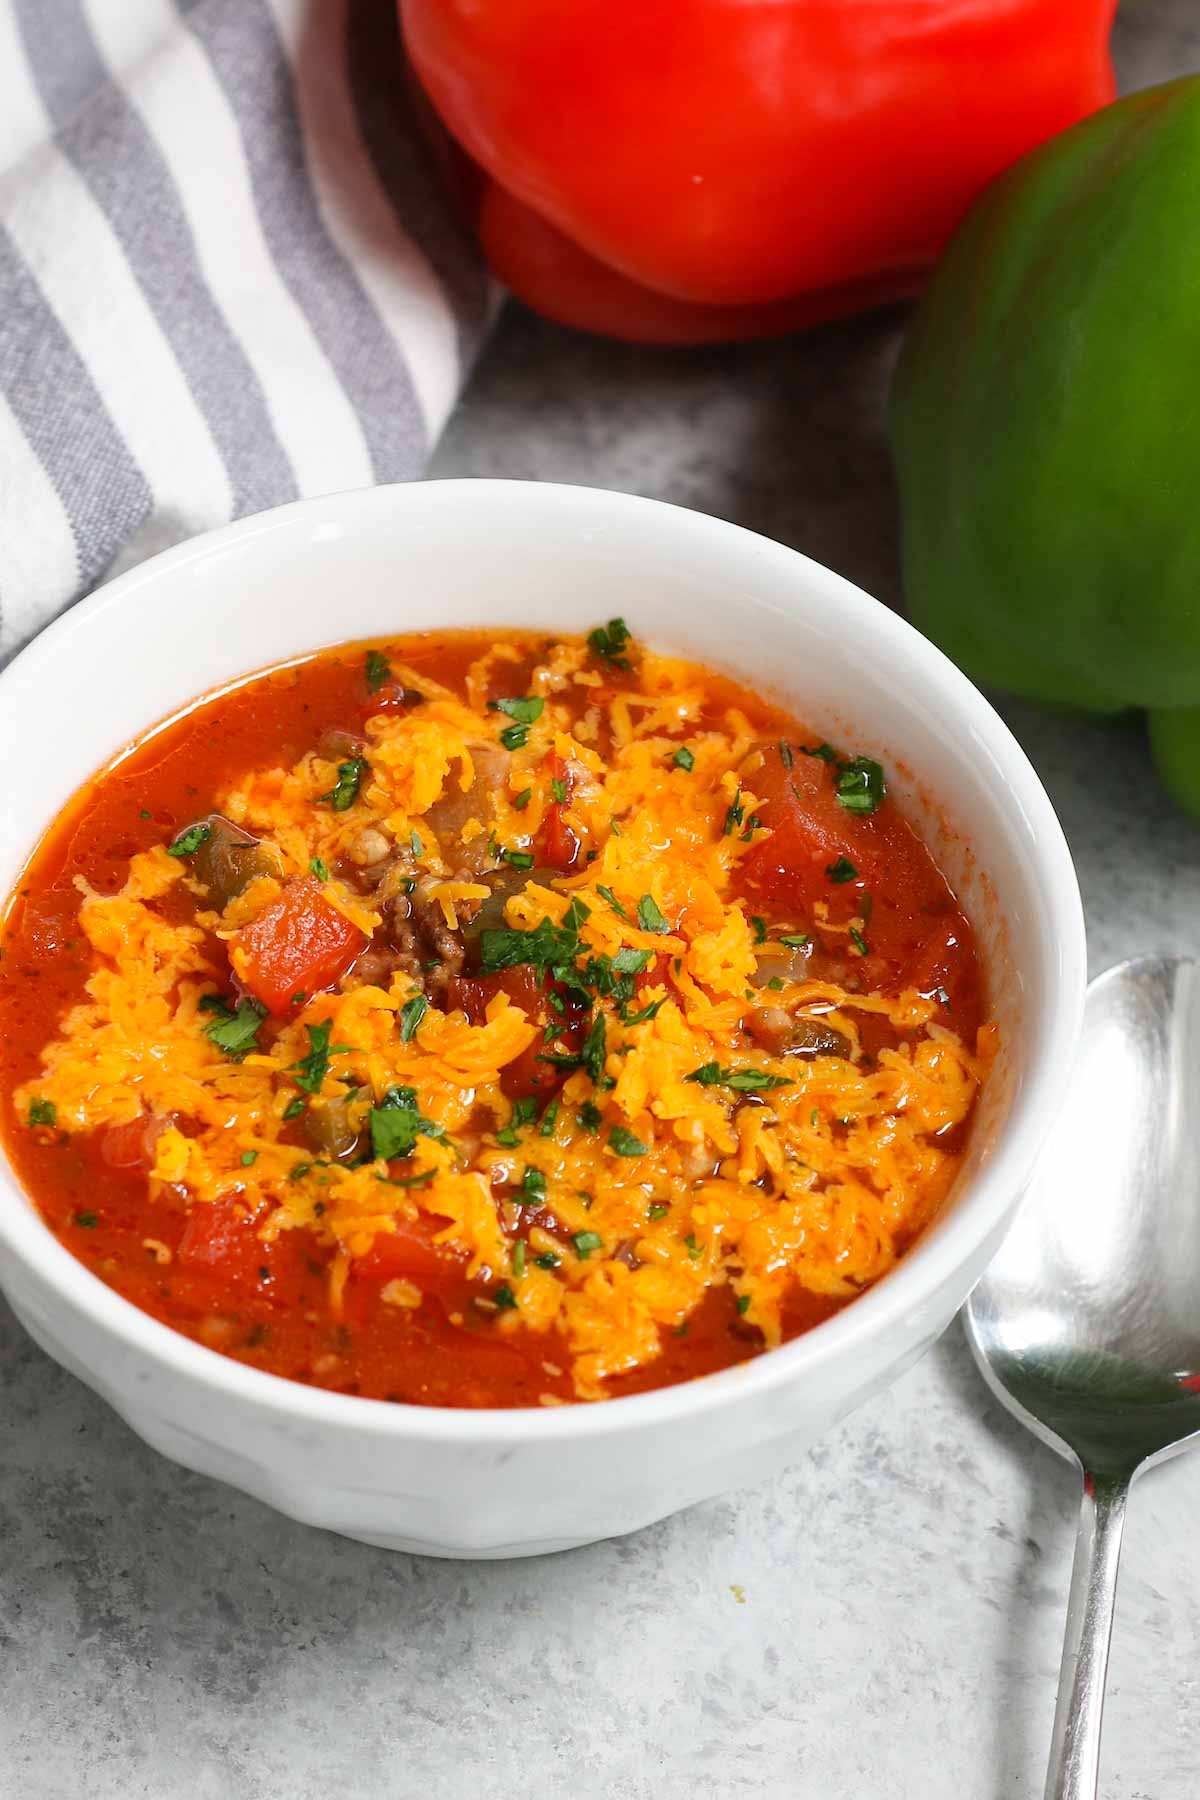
(101, 132)
(245, 51)
(377, 71)
(68, 428)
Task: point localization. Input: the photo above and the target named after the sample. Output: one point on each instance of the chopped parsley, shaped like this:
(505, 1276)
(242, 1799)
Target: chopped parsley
(624, 1142)
(518, 859)
(89, 1220)
(234, 1030)
(859, 781)
(742, 1081)
(411, 1014)
(860, 785)
(547, 1260)
(549, 1119)
(249, 1158)
(594, 1050)
(559, 790)
(649, 1011)
(743, 1304)
(525, 711)
(734, 814)
(408, 1181)
(319, 867)
(294, 1108)
(694, 1250)
(523, 798)
(658, 1212)
(518, 1258)
(649, 916)
(683, 759)
(312, 1069)
(589, 1116)
(585, 1242)
(841, 871)
(533, 1186)
(548, 948)
(396, 1125)
(610, 642)
(43, 1112)
(760, 928)
(379, 671)
(189, 841)
(504, 1297)
(795, 940)
(859, 941)
(522, 1112)
(344, 792)
(606, 893)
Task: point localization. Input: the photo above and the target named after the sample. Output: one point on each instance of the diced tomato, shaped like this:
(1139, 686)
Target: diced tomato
(474, 994)
(131, 1146)
(946, 964)
(409, 1253)
(527, 1075)
(299, 944)
(560, 845)
(810, 831)
(219, 1239)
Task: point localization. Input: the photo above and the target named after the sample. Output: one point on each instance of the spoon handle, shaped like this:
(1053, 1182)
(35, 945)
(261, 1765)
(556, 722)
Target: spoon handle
(1075, 1746)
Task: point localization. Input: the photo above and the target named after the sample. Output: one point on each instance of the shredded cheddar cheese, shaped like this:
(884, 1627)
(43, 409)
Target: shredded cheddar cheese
(671, 1154)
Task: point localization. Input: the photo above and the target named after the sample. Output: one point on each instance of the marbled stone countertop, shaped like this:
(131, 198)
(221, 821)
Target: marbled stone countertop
(884, 1621)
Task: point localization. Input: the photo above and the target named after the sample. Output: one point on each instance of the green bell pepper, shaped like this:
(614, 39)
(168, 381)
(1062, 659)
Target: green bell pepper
(1046, 428)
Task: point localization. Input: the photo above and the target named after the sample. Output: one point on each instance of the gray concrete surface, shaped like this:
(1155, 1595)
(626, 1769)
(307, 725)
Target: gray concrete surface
(884, 1621)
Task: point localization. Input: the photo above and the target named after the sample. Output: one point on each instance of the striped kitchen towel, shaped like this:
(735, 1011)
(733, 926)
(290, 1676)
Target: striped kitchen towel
(227, 276)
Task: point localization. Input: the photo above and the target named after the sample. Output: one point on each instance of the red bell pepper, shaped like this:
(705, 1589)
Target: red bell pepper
(699, 170)
(560, 846)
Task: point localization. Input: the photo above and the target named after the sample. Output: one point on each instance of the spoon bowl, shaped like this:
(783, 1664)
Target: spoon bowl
(1087, 1323)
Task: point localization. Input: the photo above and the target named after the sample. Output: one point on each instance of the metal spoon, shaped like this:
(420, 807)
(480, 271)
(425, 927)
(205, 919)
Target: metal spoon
(1087, 1324)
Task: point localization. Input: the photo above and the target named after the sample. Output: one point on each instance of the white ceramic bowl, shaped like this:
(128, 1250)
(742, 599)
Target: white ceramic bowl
(510, 1483)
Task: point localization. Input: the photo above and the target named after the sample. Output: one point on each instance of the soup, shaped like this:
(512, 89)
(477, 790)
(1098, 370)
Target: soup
(488, 1020)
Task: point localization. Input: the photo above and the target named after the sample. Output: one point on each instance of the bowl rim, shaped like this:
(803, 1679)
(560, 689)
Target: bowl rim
(995, 1186)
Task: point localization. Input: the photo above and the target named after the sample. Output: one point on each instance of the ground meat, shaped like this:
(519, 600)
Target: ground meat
(415, 936)
(420, 933)
(376, 966)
